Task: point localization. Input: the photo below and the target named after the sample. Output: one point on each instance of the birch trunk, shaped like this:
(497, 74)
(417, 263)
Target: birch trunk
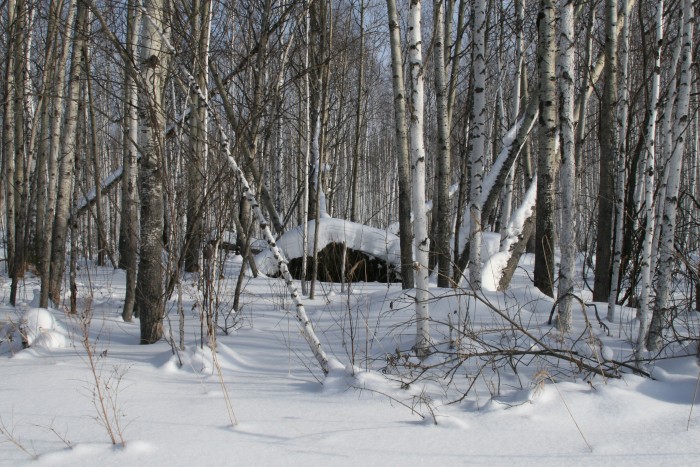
(22, 152)
(54, 149)
(477, 142)
(620, 170)
(546, 165)
(565, 73)
(8, 136)
(507, 198)
(149, 282)
(43, 136)
(64, 188)
(128, 227)
(194, 236)
(307, 155)
(421, 242)
(650, 169)
(358, 118)
(441, 215)
(103, 250)
(662, 313)
(667, 144)
(607, 137)
(405, 226)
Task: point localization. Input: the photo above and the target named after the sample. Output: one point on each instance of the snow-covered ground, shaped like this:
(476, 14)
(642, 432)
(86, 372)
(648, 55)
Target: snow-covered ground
(173, 408)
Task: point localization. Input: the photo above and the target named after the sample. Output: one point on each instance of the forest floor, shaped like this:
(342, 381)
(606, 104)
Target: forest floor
(261, 399)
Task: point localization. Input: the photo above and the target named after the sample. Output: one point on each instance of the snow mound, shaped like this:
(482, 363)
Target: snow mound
(493, 271)
(375, 242)
(34, 322)
(39, 329)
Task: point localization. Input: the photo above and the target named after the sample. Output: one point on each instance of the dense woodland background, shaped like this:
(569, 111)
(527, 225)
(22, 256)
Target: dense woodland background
(139, 133)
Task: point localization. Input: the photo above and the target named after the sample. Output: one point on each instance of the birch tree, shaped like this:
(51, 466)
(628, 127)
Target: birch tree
(620, 166)
(667, 139)
(565, 74)
(649, 171)
(507, 196)
(401, 139)
(8, 134)
(421, 242)
(150, 301)
(441, 215)
(64, 190)
(128, 228)
(661, 317)
(477, 142)
(546, 165)
(199, 147)
(54, 148)
(23, 153)
(357, 144)
(607, 137)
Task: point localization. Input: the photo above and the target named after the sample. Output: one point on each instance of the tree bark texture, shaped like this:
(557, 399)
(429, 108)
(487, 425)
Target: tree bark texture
(546, 159)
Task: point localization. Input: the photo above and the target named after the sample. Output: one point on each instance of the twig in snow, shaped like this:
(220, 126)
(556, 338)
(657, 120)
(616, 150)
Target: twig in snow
(692, 403)
(571, 414)
(7, 433)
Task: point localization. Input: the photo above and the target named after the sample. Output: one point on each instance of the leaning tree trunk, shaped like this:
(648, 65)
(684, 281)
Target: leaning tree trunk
(405, 227)
(301, 316)
(546, 160)
(507, 194)
(662, 313)
(565, 74)
(421, 242)
(149, 282)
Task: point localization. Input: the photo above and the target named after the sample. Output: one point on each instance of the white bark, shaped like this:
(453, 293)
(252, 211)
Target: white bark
(403, 160)
(661, 318)
(565, 75)
(650, 169)
(546, 159)
(421, 242)
(441, 219)
(153, 64)
(64, 188)
(620, 174)
(307, 157)
(128, 234)
(54, 149)
(667, 144)
(8, 135)
(477, 141)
